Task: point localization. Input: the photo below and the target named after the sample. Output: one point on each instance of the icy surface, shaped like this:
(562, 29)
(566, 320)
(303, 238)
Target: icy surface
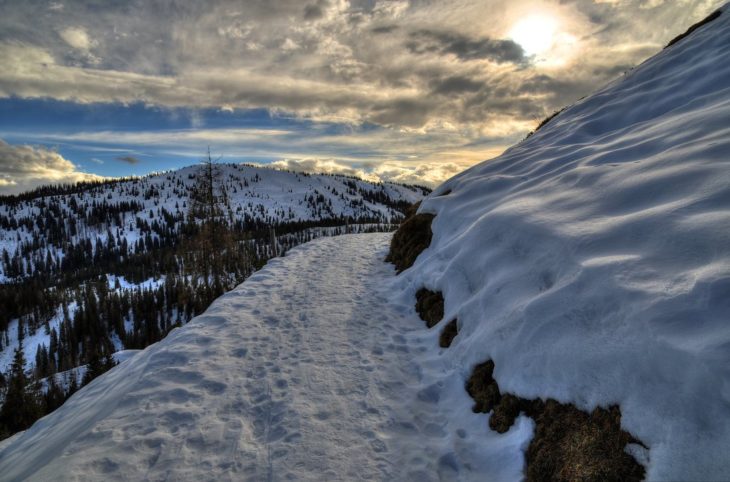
(309, 370)
(592, 261)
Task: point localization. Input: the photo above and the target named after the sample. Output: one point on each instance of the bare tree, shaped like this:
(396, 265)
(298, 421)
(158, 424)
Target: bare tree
(210, 214)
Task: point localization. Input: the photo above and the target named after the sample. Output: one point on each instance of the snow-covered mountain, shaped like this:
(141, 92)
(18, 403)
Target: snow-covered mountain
(44, 222)
(103, 267)
(587, 269)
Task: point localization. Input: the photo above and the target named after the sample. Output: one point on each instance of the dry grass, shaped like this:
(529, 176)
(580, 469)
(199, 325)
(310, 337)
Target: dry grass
(568, 445)
(482, 387)
(412, 237)
(572, 445)
(694, 27)
(545, 121)
(448, 334)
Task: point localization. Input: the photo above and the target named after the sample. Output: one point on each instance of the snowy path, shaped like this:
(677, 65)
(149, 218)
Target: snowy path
(309, 370)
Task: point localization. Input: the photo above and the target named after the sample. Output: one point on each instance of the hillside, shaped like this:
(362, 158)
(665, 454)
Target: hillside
(92, 269)
(152, 209)
(590, 265)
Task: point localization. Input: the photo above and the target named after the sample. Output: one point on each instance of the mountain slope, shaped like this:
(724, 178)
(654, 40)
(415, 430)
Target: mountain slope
(45, 221)
(591, 262)
(58, 245)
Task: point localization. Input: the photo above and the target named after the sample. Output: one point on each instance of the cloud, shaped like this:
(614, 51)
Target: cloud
(350, 62)
(26, 167)
(318, 166)
(128, 160)
(425, 174)
(437, 80)
(369, 144)
(455, 84)
(314, 11)
(465, 48)
(76, 37)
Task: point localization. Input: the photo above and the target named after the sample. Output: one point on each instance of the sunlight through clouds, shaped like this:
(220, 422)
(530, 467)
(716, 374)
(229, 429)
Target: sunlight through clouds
(431, 77)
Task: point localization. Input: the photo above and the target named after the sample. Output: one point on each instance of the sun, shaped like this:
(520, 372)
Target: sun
(535, 34)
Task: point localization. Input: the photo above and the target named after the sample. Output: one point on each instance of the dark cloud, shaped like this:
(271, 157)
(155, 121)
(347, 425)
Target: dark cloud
(128, 159)
(455, 85)
(404, 112)
(314, 11)
(611, 71)
(465, 48)
(384, 29)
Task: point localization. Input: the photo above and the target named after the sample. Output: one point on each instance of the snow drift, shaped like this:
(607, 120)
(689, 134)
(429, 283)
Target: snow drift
(591, 262)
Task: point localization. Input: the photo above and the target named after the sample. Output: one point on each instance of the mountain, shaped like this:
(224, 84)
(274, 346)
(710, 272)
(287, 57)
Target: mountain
(572, 296)
(94, 268)
(44, 222)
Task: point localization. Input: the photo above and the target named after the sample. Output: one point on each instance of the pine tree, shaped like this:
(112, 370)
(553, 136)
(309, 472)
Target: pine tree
(94, 368)
(21, 407)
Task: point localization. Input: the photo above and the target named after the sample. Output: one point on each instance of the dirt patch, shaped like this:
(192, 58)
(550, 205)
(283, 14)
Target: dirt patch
(430, 306)
(411, 239)
(482, 387)
(568, 444)
(694, 27)
(448, 334)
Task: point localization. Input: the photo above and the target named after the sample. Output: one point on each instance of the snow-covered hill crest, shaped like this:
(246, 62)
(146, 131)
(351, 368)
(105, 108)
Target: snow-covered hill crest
(42, 224)
(591, 262)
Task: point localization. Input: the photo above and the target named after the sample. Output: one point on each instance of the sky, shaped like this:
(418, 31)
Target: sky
(409, 91)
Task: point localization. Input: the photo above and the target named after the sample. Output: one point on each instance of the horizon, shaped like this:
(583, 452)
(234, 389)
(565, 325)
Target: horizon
(102, 181)
(407, 92)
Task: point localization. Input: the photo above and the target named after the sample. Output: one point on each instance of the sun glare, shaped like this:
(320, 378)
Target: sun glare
(535, 34)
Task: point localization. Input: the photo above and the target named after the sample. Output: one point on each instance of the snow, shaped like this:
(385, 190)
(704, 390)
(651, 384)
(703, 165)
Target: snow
(310, 370)
(64, 379)
(591, 262)
(148, 284)
(31, 341)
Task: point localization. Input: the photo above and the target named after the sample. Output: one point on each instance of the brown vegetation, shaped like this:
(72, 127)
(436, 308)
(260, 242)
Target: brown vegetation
(430, 306)
(568, 444)
(448, 334)
(545, 121)
(412, 238)
(694, 27)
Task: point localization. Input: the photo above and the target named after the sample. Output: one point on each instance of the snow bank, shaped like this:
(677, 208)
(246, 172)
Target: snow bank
(591, 262)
